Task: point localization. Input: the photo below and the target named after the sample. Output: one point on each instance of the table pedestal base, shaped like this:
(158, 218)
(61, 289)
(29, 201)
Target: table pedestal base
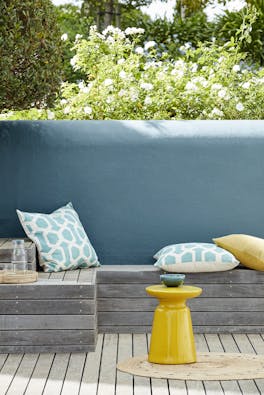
(172, 340)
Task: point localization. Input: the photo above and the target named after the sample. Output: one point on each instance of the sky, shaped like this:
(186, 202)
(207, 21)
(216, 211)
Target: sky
(160, 9)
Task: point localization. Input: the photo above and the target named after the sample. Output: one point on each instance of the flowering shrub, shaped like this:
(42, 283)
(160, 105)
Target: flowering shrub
(125, 80)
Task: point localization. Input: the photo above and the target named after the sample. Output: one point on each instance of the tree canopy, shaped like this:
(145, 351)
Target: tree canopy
(30, 60)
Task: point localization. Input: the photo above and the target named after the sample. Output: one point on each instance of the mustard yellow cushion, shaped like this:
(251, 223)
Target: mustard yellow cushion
(249, 250)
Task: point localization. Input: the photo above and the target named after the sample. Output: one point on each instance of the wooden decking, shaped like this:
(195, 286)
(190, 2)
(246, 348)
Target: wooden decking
(95, 373)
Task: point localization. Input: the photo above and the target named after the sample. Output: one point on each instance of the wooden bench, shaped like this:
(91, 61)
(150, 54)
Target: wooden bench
(59, 312)
(56, 314)
(231, 302)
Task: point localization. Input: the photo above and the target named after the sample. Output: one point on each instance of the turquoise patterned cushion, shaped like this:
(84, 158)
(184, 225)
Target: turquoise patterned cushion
(194, 257)
(60, 239)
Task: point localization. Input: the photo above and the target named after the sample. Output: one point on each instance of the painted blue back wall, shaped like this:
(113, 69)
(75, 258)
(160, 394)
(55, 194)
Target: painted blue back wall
(136, 185)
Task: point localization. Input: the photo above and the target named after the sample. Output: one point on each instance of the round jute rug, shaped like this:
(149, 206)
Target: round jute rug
(209, 366)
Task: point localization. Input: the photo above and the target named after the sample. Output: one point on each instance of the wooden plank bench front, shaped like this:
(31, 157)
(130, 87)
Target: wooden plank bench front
(55, 314)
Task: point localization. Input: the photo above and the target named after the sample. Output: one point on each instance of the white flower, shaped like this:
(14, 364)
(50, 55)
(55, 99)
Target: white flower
(81, 85)
(236, 68)
(86, 89)
(190, 86)
(246, 85)
(109, 100)
(121, 61)
(50, 114)
(220, 60)
(194, 68)
(73, 61)
(67, 110)
(147, 100)
(78, 37)
(108, 82)
(110, 40)
(139, 50)
(64, 37)
(122, 74)
(239, 107)
(149, 44)
(63, 101)
(217, 112)
(216, 86)
(204, 83)
(133, 95)
(88, 110)
(134, 30)
(222, 93)
(122, 93)
(146, 86)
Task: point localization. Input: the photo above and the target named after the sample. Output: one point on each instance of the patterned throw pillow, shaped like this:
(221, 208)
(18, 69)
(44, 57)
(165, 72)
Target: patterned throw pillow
(60, 239)
(194, 257)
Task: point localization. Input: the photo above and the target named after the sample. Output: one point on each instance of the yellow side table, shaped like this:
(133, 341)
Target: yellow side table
(172, 340)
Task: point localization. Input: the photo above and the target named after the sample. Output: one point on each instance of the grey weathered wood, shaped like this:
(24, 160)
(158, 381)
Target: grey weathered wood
(124, 382)
(141, 384)
(8, 371)
(59, 321)
(197, 304)
(39, 375)
(149, 274)
(48, 348)
(23, 374)
(197, 329)
(6, 248)
(88, 275)
(47, 289)
(209, 290)
(73, 375)
(57, 373)
(71, 275)
(198, 318)
(49, 307)
(91, 370)
(106, 384)
(47, 337)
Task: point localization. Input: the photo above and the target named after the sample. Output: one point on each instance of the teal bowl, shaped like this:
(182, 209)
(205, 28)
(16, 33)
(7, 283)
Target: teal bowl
(172, 279)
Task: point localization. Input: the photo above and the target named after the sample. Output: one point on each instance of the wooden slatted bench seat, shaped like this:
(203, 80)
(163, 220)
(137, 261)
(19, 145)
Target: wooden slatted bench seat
(231, 301)
(55, 314)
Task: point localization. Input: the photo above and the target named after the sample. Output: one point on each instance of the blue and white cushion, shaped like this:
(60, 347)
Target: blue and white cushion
(60, 238)
(194, 257)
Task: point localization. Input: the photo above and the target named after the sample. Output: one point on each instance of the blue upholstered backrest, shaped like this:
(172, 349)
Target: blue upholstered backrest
(136, 185)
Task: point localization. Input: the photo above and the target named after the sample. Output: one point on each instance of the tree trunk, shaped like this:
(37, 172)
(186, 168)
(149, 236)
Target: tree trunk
(109, 13)
(118, 15)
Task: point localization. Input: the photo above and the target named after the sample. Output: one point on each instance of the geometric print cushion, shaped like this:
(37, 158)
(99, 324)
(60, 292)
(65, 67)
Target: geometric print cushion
(60, 238)
(194, 257)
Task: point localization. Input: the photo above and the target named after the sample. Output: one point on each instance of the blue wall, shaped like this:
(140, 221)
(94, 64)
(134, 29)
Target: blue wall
(136, 185)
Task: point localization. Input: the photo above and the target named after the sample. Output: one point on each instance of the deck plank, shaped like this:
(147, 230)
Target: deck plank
(23, 375)
(107, 377)
(197, 387)
(57, 373)
(257, 342)
(40, 375)
(8, 371)
(73, 376)
(141, 384)
(244, 346)
(158, 386)
(124, 381)
(89, 382)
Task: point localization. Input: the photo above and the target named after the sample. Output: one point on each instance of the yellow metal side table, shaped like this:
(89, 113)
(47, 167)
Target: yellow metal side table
(172, 340)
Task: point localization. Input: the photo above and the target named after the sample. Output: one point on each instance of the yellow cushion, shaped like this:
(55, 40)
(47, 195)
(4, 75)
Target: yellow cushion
(249, 250)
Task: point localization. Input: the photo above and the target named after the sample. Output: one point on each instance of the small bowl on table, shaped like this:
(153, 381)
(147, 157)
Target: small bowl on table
(172, 279)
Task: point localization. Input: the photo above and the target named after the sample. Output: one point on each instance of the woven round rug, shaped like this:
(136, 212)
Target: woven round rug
(209, 366)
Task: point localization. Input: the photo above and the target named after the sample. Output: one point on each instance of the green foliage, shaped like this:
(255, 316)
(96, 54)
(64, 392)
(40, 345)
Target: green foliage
(30, 64)
(229, 24)
(123, 80)
(170, 36)
(72, 22)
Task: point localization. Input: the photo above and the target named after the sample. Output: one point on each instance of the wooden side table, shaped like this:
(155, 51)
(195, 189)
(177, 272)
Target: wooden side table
(172, 340)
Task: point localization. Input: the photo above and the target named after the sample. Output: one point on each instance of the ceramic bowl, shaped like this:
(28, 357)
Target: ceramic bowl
(172, 279)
